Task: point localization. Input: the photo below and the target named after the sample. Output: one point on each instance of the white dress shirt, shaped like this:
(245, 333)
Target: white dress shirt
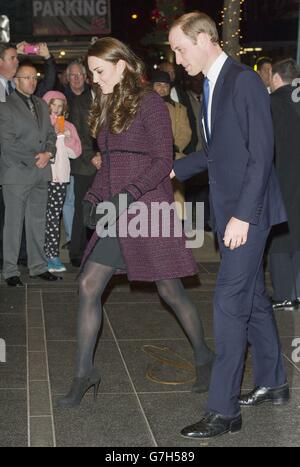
(212, 76)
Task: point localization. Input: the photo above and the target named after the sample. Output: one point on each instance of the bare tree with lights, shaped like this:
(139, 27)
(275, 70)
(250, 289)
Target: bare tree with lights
(231, 17)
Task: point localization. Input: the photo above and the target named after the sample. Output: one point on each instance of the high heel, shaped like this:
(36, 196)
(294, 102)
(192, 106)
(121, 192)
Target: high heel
(203, 374)
(79, 388)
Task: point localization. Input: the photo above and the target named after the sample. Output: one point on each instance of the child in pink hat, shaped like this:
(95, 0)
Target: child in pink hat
(68, 146)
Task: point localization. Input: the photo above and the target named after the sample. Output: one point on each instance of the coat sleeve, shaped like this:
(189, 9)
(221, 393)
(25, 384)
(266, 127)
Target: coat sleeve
(190, 165)
(183, 133)
(48, 82)
(73, 142)
(252, 103)
(158, 133)
(78, 117)
(7, 130)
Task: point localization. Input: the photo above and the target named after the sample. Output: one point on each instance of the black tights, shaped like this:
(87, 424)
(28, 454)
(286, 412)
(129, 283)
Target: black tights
(93, 282)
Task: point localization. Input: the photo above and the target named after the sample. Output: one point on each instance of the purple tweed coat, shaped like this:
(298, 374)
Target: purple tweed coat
(139, 161)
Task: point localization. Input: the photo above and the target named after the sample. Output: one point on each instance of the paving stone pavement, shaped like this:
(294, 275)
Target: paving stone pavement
(139, 352)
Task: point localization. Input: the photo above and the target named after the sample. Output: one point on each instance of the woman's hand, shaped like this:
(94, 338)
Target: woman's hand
(97, 161)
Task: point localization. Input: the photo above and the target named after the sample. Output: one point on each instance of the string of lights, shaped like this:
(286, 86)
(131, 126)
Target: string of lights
(230, 23)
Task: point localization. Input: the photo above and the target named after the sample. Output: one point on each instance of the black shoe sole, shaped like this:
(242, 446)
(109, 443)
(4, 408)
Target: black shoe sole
(277, 402)
(229, 432)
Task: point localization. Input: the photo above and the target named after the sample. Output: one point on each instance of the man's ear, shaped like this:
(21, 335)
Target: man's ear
(277, 79)
(202, 39)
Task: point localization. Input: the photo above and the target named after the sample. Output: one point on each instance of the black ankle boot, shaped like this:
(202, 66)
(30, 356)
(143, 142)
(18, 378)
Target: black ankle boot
(203, 373)
(79, 388)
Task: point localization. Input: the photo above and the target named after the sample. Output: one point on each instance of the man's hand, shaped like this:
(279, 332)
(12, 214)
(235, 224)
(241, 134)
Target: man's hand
(42, 159)
(43, 50)
(97, 161)
(20, 47)
(236, 233)
(172, 175)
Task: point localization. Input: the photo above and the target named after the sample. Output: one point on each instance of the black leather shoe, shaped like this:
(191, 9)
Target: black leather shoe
(14, 282)
(259, 395)
(213, 424)
(47, 276)
(285, 305)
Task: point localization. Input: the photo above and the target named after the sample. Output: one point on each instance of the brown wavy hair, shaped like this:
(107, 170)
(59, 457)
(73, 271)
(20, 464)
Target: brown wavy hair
(119, 108)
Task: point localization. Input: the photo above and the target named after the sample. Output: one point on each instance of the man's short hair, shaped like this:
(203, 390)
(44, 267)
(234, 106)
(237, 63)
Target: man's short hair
(26, 63)
(192, 24)
(287, 70)
(262, 61)
(4, 48)
(78, 63)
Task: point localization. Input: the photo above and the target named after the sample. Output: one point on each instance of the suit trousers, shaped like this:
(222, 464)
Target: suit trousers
(1, 224)
(69, 209)
(27, 202)
(285, 275)
(23, 253)
(243, 315)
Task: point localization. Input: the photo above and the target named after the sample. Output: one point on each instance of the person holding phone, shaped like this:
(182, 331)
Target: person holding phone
(41, 49)
(68, 146)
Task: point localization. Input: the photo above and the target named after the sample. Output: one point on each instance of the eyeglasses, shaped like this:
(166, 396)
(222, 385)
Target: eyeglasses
(28, 78)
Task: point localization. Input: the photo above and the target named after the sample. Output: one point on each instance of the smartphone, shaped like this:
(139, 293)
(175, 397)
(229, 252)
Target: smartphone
(31, 49)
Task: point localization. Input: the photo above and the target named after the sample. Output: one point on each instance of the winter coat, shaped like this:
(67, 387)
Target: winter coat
(140, 160)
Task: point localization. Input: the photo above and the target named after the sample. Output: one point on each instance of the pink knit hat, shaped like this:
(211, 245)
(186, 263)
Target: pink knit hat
(54, 95)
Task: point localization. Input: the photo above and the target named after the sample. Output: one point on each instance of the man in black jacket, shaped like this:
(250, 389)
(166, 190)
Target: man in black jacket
(285, 247)
(83, 169)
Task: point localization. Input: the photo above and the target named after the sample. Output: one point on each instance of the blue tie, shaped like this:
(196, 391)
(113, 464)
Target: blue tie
(206, 90)
(9, 88)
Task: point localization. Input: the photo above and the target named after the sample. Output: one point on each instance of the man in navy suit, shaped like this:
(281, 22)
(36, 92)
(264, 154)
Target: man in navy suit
(245, 203)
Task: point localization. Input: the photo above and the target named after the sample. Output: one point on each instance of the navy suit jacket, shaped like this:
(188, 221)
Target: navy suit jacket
(239, 157)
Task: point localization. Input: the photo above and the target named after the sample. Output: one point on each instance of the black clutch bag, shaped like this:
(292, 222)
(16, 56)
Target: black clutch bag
(89, 215)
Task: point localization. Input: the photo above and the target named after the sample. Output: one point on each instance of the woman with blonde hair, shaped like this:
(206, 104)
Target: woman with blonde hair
(134, 134)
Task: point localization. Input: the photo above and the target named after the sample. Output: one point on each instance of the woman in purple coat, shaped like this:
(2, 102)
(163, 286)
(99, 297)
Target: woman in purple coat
(134, 134)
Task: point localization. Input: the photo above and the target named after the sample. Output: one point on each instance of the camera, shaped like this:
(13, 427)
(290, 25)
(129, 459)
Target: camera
(31, 49)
